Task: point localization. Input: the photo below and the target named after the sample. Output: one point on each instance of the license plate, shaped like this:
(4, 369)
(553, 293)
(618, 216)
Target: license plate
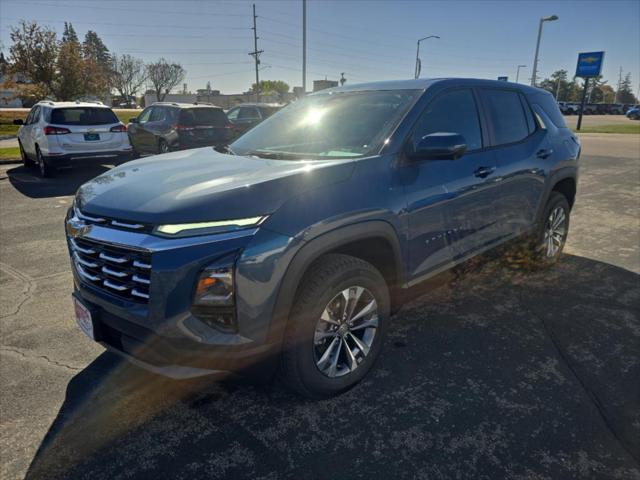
(83, 319)
(91, 137)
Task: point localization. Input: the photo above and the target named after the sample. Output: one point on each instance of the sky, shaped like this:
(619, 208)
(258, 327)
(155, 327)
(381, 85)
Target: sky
(368, 40)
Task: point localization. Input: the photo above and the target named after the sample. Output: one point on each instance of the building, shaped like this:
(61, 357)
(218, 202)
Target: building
(151, 98)
(322, 84)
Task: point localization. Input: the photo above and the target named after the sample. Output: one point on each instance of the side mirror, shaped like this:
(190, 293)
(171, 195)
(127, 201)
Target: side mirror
(18, 121)
(133, 120)
(439, 146)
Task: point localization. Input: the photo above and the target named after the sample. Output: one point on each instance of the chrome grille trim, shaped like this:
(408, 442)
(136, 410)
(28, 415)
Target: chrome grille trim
(138, 279)
(104, 256)
(120, 270)
(133, 226)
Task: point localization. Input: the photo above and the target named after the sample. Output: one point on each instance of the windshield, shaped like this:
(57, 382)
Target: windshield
(336, 125)
(83, 116)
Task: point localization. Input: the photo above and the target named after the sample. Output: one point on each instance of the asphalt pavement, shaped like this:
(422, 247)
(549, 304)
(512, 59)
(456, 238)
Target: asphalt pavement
(492, 371)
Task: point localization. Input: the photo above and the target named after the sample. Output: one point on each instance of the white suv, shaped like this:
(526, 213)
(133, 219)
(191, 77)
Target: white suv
(57, 133)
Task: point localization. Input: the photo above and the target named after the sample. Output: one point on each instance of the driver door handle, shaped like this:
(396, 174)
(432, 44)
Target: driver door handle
(544, 153)
(483, 172)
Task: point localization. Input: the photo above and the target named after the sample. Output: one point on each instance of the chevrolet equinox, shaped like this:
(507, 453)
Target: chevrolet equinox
(289, 249)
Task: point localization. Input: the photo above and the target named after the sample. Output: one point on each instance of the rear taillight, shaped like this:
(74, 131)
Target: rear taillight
(183, 128)
(118, 128)
(49, 130)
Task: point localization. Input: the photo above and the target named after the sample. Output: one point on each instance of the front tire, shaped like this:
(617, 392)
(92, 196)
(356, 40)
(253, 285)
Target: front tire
(163, 147)
(336, 326)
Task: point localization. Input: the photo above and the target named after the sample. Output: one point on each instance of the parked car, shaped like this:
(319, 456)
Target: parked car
(247, 115)
(569, 108)
(291, 247)
(57, 134)
(633, 113)
(164, 127)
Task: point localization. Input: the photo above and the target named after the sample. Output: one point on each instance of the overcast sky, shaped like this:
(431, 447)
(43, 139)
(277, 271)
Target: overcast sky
(368, 40)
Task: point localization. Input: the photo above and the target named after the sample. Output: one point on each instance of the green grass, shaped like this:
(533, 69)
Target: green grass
(634, 128)
(8, 129)
(10, 153)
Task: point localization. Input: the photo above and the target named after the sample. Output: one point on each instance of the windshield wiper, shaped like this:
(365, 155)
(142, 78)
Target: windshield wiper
(224, 149)
(276, 155)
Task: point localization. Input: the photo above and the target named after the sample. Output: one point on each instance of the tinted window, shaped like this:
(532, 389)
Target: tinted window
(268, 111)
(507, 116)
(203, 116)
(83, 116)
(453, 112)
(158, 114)
(548, 104)
(144, 116)
(233, 114)
(30, 116)
(249, 113)
(531, 124)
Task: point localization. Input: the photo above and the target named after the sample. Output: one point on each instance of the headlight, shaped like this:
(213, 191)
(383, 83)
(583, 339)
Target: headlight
(214, 295)
(204, 228)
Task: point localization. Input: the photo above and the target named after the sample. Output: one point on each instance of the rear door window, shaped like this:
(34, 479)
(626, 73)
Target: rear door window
(158, 114)
(249, 113)
(453, 112)
(214, 117)
(507, 116)
(83, 116)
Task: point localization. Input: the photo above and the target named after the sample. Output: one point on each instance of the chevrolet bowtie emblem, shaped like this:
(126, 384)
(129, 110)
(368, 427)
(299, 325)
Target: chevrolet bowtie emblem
(77, 228)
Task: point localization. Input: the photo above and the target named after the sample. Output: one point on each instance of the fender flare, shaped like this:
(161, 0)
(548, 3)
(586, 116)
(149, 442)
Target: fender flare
(311, 250)
(554, 179)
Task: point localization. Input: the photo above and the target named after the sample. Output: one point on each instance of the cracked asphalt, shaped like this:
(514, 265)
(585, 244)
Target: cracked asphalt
(491, 371)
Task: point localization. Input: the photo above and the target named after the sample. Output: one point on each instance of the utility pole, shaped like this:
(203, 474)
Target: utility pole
(619, 84)
(304, 46)
(518, 71)
(256, 53)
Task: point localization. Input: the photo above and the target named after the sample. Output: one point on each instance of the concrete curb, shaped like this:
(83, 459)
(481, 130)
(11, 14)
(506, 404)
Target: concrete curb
(10, 162)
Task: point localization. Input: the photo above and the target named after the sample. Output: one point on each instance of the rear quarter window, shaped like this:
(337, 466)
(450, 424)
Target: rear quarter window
(549, 106)
(83, 116)
(203, 116)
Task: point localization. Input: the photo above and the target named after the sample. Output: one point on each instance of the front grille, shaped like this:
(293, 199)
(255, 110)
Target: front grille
(121, 271)
(114, 223)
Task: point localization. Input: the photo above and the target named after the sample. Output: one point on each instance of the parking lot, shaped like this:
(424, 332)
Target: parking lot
(492, 371)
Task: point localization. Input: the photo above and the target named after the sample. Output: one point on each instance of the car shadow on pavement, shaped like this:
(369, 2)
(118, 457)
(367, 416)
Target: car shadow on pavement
(66, 182)
(499, 372)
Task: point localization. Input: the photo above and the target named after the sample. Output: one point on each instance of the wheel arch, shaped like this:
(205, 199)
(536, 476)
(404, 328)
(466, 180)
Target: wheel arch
(373, 241)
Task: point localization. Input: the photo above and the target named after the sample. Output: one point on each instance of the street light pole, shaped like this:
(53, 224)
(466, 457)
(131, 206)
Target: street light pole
(535, 59)
(518, 71)
(418, 66)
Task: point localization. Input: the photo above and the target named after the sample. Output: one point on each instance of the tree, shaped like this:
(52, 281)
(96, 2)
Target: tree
(94, 48)
(34, 53)
(69, 33)
(271, 86)
(164, 76)
(4, 64)
(558, 85)
(71, 75)
(127, 75)
(97, 65)
(625, 94)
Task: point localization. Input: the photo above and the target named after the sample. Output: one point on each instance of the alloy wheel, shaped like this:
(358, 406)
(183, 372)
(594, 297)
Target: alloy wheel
(345, 331)
(554, 232)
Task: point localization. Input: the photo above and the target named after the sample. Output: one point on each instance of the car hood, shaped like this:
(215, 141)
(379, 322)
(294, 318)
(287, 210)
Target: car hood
(203, 185)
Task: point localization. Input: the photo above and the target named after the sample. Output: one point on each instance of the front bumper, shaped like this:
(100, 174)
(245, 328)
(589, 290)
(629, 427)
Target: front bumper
(162, 335)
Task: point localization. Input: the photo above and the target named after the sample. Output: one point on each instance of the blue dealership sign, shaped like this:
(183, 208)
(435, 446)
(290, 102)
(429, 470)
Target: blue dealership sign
(589, 64)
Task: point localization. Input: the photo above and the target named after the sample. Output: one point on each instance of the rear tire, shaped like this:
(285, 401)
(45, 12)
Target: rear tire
(163, 147)
(46, 170)
(551, 235)
(26, 161)
(336, 326)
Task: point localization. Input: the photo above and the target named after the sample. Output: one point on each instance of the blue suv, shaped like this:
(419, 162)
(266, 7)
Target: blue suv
(291, 248)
